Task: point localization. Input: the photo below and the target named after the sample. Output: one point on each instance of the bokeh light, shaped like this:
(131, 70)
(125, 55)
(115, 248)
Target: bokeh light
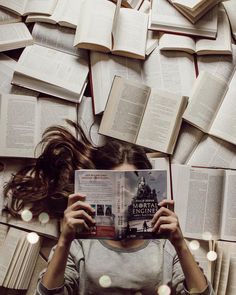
(211, 255)
(44, 217)
(105, 281)
(164, 290)
(194, 245)
(207, 236)
(32, 238)
(26, 215)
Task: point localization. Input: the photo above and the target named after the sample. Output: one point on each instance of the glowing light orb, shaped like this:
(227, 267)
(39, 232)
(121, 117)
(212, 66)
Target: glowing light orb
(44, 217)
(105, 281)
(164, 290)
(211, 255)
(194, 245)
(32, 238)
(26, 215)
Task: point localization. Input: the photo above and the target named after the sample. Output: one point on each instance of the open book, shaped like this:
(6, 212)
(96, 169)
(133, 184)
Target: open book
(65, 14)
(7, 17)
(216, 114)
(194, 9)
(135, 4)
(139, 114)
(230, 7)
(195, 148)
(222, 44)
(23, 119)
(14, 35)
(52, 65)
(205, 201)
(169, 71)
(104, 26)
(24, 7)
(164, 17)
(17, 259)
(124, 201)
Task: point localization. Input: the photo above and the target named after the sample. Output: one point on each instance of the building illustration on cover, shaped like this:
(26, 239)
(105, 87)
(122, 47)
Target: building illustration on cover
(145, 190)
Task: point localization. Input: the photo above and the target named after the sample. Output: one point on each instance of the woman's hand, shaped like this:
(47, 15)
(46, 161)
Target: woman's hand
(77, 217)
(165, 221)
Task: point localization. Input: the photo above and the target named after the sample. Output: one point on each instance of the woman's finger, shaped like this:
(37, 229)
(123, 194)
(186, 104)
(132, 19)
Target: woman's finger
(161, 212)
(164, 220)
(168, 204)
(78, 224)
(74, 198)
(82, 205)
(82, 215)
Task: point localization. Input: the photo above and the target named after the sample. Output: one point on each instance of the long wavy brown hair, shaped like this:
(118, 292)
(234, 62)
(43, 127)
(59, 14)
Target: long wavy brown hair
(46, 184)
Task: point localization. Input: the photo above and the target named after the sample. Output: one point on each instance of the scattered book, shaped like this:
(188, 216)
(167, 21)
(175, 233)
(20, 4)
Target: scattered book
(104, 26)
(214, 115)
(193, 10)
(23, 119)
(135, 4)
(200, 46)
(17, 260)
(169, 71)
(164, 17)
(13, 36)
(204, 201)
(52, 66)
(142, 115)
(7, 17)
(124, 201)
(25, 7)
(65, 14)
(230, 7)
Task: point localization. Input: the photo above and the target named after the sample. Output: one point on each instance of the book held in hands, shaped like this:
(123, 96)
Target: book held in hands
(124, 201)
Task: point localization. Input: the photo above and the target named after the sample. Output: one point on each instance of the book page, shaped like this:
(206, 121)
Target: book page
(18, 125)
(165, 17)
(51, 66)
(191, 4)
(131, 33)
(103, 69)
(231, 284)
(7, 17)
(145, 6)
(230, 7)
(3, 227)
(213, 152)
(152, 41)
(71, 13)
(95, 25)
(221, 66)
(102, 189)
(177, 42)
(14, 36)
(40, 6)
(198, 195)
(14, 5)
(159, 120)
(228, 228)
(200, 111)
(125, 109)
(188, 139)
(169, 71)
(224, 125)
(55, 37)
(222, 44)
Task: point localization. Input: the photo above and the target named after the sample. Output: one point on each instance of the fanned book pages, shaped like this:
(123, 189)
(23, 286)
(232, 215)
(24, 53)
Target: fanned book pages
(205, 201)
(164, 17)
(200, 46)
(169, 71)
(124, 201)
(7, 17)
(23, 119)
(13, 36)
(230, 7)
(135, 4)
(216, 114)
(17, 260)
(104, 26)
(24, 7)
(142, 115)
(52, 65)
(66, 14)
(193, 10)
